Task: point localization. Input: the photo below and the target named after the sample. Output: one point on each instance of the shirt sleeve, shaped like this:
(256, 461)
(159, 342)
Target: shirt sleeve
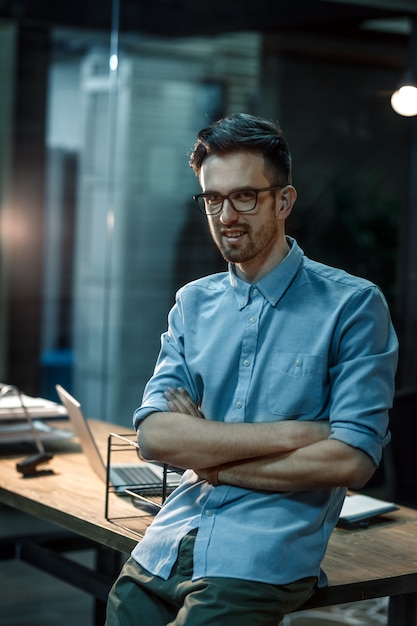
(363, 374)
(170, 369)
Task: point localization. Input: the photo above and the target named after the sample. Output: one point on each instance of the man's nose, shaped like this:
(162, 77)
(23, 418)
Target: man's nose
(228, 214)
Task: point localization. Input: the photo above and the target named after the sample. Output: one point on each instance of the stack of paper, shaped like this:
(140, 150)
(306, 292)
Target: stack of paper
(21, 431)
(38, 408)
(24, 418)
(358, 507)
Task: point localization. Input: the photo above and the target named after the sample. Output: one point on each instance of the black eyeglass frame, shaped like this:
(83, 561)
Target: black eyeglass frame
(201, 196)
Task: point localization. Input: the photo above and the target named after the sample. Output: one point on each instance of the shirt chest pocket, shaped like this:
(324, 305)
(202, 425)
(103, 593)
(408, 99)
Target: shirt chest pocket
(295, 383)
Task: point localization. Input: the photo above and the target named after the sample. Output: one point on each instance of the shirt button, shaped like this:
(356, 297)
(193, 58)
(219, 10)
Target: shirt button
(298, 363)
(252, 320)
(209, 512)
(238, 404)
(255, 291)
(246, 362)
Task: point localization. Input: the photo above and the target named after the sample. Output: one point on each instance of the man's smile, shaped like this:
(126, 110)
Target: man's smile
(233, 235)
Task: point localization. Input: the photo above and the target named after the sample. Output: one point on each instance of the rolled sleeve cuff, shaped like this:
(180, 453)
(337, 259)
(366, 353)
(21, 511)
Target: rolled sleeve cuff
(368, 443)
(142, 412)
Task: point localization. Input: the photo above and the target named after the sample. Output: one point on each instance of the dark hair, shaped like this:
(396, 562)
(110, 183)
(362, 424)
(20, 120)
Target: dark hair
(242, 132)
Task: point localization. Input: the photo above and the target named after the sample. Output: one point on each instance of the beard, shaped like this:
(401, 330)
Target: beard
(257, 243)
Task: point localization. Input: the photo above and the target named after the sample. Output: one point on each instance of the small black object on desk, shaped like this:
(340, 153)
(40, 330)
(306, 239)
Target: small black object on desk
(29, 466)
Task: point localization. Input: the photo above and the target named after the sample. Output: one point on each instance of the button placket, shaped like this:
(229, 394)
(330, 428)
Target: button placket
(249, 343)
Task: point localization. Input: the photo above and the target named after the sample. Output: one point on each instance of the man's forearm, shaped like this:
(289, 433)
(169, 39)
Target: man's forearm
(321, 465)
(190, 442)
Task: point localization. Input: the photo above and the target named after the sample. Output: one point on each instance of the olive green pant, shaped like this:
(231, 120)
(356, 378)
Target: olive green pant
(138, 598)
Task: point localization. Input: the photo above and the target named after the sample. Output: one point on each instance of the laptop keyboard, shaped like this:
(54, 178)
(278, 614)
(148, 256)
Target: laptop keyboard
(142, 480)
(137, 476)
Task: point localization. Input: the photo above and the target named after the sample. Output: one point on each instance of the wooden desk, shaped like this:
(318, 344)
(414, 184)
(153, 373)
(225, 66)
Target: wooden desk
(72, 499)
(374, 562)
(72, 496)
(361, 564)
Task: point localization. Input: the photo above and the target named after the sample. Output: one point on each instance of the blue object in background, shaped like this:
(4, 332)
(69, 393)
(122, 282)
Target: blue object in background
(56, 367)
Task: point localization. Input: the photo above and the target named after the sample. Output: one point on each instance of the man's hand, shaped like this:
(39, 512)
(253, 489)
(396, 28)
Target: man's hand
(179, 401)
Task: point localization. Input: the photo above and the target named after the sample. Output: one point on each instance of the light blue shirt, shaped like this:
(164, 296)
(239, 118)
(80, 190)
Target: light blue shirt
(307, 342)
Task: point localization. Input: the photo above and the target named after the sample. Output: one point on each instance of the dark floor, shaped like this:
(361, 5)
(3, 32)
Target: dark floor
(28, 596)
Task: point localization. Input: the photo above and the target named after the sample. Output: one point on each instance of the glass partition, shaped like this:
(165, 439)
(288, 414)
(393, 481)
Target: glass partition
(123, 231)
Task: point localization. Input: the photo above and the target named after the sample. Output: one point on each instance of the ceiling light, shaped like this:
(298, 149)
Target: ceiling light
(404, 100)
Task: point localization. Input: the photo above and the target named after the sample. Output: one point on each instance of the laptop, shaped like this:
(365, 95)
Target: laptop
(142, 478)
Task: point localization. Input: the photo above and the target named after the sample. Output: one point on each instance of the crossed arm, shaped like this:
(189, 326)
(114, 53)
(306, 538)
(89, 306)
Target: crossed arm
(274, 456)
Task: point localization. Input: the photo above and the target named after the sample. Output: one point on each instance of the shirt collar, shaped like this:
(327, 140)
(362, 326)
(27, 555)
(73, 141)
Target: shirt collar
(275, 283)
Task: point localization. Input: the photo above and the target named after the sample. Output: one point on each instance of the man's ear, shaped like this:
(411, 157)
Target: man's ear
(287, 199)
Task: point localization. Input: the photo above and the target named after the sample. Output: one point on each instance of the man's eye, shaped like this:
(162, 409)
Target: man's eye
(213, 199)
(244, 195)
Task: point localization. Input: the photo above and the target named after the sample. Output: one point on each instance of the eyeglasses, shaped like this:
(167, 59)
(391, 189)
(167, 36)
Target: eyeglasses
(241, 200)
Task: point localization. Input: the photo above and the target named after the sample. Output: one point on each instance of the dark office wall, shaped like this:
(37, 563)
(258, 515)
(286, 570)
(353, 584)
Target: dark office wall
(7, 47)
(26, 212)
(349, 151)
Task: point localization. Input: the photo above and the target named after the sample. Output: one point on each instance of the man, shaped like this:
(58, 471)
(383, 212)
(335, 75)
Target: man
(272, 390)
